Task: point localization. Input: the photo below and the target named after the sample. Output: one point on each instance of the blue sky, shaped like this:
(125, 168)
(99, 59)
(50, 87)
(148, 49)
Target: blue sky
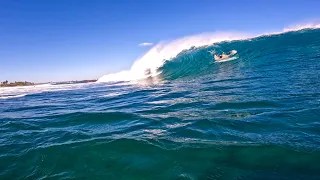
(54, 40)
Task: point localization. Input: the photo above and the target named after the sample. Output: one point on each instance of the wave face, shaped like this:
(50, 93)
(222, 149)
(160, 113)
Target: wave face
(255, 117)
(258, 52)
(154, 60)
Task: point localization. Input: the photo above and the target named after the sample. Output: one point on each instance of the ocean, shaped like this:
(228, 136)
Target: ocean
(176, 114)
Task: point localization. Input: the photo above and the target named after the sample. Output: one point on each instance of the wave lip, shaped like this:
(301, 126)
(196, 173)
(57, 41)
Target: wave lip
(299, 27)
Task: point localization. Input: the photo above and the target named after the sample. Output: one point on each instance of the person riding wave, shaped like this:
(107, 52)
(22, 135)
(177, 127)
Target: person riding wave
(223, 55)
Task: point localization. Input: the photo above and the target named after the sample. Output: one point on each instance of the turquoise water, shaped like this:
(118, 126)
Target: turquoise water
(256, 117)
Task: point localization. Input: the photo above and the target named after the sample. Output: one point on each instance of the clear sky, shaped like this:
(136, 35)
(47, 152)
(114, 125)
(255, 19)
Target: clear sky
(54, 40)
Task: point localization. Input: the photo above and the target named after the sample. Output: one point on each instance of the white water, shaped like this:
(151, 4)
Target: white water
(155, 57)
(17, 92)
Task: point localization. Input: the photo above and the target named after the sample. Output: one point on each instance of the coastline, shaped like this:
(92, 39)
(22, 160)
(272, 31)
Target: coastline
(16, 83)
(25, 83)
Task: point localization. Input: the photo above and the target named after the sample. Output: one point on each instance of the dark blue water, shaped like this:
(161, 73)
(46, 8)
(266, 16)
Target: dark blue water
(255, 117)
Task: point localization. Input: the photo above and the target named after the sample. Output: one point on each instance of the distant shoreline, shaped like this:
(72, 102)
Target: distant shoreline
(14, 84)
(25, 83)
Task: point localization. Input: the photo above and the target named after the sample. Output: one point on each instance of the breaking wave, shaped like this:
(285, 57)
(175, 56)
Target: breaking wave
(151, 63)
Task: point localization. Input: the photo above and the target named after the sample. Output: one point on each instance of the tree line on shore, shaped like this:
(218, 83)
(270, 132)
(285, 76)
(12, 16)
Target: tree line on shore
(26, 83)
(16, 83)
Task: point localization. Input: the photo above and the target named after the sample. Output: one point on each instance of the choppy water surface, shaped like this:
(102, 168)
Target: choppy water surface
(256, 117)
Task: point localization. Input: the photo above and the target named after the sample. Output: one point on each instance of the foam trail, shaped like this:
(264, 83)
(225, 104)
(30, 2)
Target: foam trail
(154, 58)
(12, 96)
